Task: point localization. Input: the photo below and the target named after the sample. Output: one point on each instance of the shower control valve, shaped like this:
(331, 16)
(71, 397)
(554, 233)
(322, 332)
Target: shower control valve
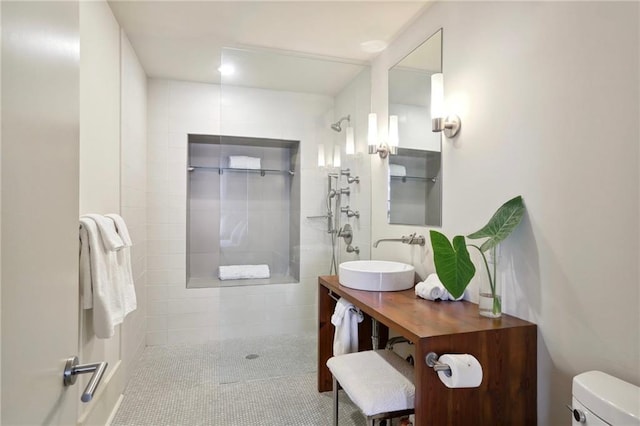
(350, 213)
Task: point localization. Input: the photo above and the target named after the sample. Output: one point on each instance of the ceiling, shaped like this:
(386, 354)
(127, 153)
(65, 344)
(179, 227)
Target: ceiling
(307, 46)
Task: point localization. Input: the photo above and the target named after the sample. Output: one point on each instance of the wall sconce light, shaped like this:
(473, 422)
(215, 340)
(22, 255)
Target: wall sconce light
(350, 147)
(321, 161)
(381, 149)
(450, 124)
(394, 137)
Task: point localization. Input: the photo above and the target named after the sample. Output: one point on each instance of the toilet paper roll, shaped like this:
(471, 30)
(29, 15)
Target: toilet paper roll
(466, 371)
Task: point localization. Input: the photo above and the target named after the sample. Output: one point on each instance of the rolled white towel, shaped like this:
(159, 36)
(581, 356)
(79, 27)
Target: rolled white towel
(433, 282)
(430, 291)
(397, 170)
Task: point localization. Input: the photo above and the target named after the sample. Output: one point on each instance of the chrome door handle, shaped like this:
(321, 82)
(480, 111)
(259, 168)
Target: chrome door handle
(71, 370)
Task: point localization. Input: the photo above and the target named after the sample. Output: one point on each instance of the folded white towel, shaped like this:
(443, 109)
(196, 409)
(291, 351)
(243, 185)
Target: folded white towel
(433, 289)
(397, 170)
(99, 284)
(243, 162)
(240, 272)
(345, 318)
(110, 238)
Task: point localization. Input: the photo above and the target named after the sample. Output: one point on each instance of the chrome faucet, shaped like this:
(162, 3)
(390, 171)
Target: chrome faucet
(411, 239)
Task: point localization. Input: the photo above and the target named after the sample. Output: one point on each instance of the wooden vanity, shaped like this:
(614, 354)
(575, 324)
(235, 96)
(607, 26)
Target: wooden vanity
(505, 347)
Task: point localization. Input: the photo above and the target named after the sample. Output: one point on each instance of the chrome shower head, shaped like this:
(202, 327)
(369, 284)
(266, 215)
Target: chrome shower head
(337, 127)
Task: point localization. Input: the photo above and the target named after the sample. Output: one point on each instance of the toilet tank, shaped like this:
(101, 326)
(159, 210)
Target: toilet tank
(601, 399)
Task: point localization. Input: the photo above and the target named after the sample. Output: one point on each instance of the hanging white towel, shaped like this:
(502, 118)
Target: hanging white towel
(345, 318)
(123, 258)
(110, 238)
(121, 228)
(100, 288)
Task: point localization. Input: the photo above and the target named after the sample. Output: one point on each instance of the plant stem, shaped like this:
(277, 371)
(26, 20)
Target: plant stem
(497, 306)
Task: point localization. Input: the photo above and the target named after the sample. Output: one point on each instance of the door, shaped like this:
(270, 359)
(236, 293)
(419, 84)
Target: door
(39, 221)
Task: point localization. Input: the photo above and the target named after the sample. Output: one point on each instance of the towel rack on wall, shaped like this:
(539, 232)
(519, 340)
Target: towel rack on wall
(221, 170)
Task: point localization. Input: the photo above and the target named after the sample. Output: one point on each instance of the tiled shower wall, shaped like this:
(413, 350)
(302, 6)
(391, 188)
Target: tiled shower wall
(175, 109)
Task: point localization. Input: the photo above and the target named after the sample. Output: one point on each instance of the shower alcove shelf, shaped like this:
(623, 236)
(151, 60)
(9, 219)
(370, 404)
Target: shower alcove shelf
(242, 216)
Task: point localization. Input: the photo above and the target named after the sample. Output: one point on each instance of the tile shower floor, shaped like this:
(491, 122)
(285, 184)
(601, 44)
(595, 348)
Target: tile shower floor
(243, 382)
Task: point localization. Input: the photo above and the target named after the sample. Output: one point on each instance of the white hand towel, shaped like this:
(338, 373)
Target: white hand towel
(123, 259)
(397, 170)
(108, 233)
(345, 318)
(102, 284)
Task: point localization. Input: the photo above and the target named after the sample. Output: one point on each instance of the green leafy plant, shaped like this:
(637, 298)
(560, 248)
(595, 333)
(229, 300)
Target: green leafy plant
(452, 261)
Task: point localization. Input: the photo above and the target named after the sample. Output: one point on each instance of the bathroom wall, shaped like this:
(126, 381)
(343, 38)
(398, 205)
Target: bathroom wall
(180, 315)
(112, 180)
(355, 100)
(539, 87)
(133, 188)
(99, 178)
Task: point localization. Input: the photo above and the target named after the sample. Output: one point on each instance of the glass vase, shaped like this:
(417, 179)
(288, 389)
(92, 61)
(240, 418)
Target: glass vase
(490, 302)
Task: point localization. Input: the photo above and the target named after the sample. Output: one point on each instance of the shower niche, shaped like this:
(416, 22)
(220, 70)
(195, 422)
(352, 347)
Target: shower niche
(243, 210)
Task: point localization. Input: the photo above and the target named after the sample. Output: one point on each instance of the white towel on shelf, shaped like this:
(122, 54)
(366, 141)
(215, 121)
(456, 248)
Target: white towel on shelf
(100, 284)
(110, 238)
(243, 162)
(241, 272)
(397, 170)
(433, 289)
(123, 259)
(345, 318)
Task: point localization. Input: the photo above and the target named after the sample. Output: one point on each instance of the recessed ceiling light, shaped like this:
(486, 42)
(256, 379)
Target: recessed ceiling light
(373, 46)
(227, 69)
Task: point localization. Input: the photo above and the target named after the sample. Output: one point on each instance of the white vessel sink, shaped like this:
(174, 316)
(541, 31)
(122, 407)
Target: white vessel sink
(376, 275)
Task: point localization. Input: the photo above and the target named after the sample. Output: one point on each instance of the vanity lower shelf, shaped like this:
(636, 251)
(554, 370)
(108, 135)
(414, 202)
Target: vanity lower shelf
(506, 348)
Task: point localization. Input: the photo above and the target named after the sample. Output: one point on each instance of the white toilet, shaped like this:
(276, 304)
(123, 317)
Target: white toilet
(601, 399)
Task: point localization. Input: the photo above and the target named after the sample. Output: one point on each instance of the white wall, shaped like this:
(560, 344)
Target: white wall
(176, 314)
(355, 100)
(540, 87)
(99, 109)
(133, 189)
(112, 180)
(99, 178)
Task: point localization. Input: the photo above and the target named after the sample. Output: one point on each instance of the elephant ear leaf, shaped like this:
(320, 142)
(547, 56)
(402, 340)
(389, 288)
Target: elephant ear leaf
(453, 263)
(501, 224)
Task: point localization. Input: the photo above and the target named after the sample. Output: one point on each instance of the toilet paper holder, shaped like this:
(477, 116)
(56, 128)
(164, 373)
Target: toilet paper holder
(432, 361)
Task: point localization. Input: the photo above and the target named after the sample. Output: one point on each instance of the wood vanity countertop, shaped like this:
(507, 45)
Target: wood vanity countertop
(416, 318)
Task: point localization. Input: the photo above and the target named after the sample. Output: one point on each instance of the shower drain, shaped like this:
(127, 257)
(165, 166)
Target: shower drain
(252, 356)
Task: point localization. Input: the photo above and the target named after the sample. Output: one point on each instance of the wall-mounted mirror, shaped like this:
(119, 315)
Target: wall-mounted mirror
(415, 173)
